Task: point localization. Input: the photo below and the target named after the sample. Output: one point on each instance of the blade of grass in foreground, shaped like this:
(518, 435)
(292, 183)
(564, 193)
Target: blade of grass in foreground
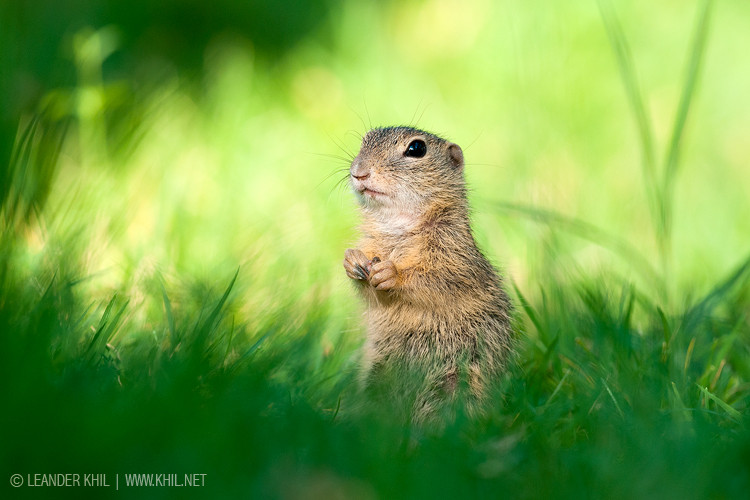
(170, 317)
(733, 414)
(741, 276)
(542, 331)
(29, 176)
(205, 328)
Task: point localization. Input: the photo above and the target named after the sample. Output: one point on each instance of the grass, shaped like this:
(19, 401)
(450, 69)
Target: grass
(171, 297)
(612, 397)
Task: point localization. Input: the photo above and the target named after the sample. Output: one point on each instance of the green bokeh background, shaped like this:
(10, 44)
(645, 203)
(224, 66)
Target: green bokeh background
(200, 133)
(168, 145)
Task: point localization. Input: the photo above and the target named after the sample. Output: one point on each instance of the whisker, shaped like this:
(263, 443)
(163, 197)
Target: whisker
(364, 125)
(338, 144)
(369, 120)
(336, 171)
(346, 160)
(472, 142)
(338, 186)
(413, 122)
(355, 133)
(341, 182)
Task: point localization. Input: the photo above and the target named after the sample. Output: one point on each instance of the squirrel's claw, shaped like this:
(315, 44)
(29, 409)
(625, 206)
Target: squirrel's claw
(356, 264)
(359, 271)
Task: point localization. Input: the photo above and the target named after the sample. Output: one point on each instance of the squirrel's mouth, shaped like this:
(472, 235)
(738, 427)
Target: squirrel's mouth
(371, 192)
(364, 189)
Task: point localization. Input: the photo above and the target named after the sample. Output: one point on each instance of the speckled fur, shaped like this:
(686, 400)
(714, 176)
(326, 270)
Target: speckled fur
(433, 300)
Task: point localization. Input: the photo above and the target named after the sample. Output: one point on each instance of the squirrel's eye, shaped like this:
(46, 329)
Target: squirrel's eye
(416, 149)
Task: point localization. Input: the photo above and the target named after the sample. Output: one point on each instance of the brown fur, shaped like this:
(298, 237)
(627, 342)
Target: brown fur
(433, 300)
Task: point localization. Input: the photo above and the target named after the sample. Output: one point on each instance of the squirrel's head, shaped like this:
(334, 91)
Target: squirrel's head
(406, 169)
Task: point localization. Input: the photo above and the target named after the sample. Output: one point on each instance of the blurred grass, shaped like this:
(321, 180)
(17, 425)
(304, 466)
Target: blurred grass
(171, 294)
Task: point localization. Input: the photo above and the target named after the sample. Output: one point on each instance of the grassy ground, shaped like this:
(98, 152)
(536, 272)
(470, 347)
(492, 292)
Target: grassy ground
(171, 292)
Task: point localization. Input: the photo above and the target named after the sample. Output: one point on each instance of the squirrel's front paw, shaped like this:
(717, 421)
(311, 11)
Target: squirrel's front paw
(356, 264)
(383, 275)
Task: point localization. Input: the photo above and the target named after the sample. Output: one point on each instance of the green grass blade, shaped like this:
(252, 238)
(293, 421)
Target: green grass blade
(102, 323)
(678, 404)
(614, 400)
(215, 313)
(696, 57)
(205, 327)
(588, 232)
(741, 276)
(630, 80)
(529, 310)
(556, 390)
(672, 160)
(170, 317)
(734, 414)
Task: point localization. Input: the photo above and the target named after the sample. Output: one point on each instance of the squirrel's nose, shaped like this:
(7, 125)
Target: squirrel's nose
(359, 171)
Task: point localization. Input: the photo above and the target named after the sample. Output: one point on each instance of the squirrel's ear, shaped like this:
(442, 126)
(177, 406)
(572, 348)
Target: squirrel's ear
(456, 155)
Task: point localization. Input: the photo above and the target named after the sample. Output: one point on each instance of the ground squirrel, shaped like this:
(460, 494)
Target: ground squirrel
(435, 305)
